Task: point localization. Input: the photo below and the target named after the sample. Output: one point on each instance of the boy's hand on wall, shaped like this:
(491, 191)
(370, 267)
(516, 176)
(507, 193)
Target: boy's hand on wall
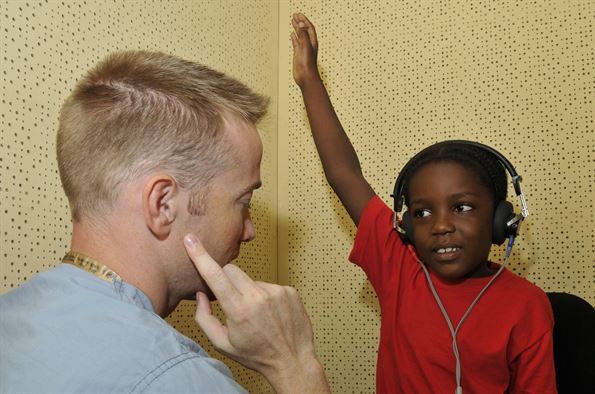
(305, 50)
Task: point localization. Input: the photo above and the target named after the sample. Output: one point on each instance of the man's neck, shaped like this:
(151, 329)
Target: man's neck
(127, 254)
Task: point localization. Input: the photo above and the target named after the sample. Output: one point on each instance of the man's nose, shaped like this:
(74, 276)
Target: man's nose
(249, 230)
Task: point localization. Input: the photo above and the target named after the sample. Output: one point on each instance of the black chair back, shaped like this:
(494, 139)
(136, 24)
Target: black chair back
(574, 343)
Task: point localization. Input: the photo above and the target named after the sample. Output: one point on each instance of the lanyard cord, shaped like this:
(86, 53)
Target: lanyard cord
(454, 331)
(90, 265)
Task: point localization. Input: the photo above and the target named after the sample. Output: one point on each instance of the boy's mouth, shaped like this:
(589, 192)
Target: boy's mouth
(447, 250)
(447, 253)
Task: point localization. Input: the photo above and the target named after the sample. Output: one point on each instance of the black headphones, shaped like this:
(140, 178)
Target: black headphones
(505, 224)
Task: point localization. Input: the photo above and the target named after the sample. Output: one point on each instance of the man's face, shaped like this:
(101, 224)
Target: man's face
(452, 215)
(225, 222)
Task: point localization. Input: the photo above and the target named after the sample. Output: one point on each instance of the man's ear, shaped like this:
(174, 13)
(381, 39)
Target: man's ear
(160, 204)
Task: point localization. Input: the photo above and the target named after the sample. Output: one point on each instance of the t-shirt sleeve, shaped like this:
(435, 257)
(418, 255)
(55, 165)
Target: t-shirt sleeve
(377, 245)
(532, 369)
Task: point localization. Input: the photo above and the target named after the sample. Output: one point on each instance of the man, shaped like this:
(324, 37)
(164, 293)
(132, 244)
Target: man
(159, 158)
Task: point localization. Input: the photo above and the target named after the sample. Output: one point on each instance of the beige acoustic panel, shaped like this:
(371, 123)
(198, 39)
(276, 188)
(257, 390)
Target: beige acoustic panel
(516, 75)
(48, 45)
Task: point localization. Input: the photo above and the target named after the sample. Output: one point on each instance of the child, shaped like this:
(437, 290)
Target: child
(455, 321)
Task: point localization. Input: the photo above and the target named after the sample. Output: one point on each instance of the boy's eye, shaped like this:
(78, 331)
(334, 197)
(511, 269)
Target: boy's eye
(421, 213)
(463, 207)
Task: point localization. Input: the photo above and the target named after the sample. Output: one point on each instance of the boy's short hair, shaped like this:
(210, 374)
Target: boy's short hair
(139, 111)
(490, 172)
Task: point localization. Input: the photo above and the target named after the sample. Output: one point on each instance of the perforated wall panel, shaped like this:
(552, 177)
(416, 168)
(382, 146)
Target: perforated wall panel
(48, 45)
(516, 75)
(402, 75)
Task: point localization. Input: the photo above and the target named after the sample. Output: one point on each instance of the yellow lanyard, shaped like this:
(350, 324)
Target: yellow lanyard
(91, 266)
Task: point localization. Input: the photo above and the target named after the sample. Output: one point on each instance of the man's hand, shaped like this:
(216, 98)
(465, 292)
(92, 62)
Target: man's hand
(305, 50)
(267, 329)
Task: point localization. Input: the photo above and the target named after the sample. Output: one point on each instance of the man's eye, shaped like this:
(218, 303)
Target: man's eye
(463, 207)
(421, 213)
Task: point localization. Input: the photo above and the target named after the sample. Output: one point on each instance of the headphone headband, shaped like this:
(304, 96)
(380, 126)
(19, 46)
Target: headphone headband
(506, 222)
(516, 179)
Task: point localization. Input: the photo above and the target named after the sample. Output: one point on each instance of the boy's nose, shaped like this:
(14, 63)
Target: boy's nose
(442, 224)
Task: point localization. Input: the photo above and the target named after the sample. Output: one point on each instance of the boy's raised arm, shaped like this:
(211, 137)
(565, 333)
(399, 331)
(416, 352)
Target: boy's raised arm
(339, 159)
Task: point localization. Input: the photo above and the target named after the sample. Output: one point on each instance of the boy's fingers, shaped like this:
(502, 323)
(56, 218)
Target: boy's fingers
(209, 270)
(311, 30)
(295, 25)
(304, 24)
(312, 36)
(303, 36)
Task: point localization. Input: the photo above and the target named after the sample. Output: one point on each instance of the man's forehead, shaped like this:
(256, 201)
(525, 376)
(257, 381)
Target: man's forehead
(233, 122)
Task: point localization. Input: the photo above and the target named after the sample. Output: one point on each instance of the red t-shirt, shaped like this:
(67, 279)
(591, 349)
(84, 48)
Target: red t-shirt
(505, 343)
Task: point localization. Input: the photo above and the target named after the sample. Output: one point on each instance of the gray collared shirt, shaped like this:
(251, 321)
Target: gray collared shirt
(67, 331)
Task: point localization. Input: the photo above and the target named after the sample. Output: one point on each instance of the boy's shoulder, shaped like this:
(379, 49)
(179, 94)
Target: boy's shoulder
(526, 296)
(523, 284)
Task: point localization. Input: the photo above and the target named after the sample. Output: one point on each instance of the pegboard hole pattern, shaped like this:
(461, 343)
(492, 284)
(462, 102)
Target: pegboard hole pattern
(402, 75)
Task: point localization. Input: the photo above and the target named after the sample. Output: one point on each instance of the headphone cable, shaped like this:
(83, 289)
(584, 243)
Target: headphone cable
(453, 331)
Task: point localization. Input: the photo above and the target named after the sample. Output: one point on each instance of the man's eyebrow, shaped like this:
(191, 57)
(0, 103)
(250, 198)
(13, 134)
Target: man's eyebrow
(254, 186)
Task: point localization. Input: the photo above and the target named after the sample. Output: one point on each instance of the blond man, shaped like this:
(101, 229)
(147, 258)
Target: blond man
(159, 158)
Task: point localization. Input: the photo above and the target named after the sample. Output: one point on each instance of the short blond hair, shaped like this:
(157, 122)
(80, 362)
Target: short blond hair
(139, 111)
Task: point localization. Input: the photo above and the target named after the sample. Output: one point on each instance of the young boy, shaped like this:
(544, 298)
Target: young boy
(436, 276)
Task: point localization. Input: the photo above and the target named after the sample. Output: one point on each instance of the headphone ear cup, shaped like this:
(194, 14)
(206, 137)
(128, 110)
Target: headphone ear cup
(502, 214)
(407, 227)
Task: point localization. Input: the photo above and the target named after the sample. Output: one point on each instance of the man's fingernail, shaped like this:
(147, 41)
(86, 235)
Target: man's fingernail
(190, 240)
(301, 24)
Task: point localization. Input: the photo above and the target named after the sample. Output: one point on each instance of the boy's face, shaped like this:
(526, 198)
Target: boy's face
(452, 215)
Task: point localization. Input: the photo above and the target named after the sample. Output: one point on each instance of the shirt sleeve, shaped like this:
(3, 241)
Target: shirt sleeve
(190, 375)
(532, 366)
(533, 369)
(377, 246)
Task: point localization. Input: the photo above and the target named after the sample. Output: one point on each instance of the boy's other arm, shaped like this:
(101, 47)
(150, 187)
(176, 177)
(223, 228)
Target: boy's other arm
(338, 157)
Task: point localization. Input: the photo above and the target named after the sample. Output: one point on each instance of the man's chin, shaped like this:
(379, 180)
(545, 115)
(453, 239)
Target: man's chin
(210, 295)
(233, 257)
(208, 292)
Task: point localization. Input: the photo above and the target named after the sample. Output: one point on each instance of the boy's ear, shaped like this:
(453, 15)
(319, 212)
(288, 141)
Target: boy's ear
(160, 204)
